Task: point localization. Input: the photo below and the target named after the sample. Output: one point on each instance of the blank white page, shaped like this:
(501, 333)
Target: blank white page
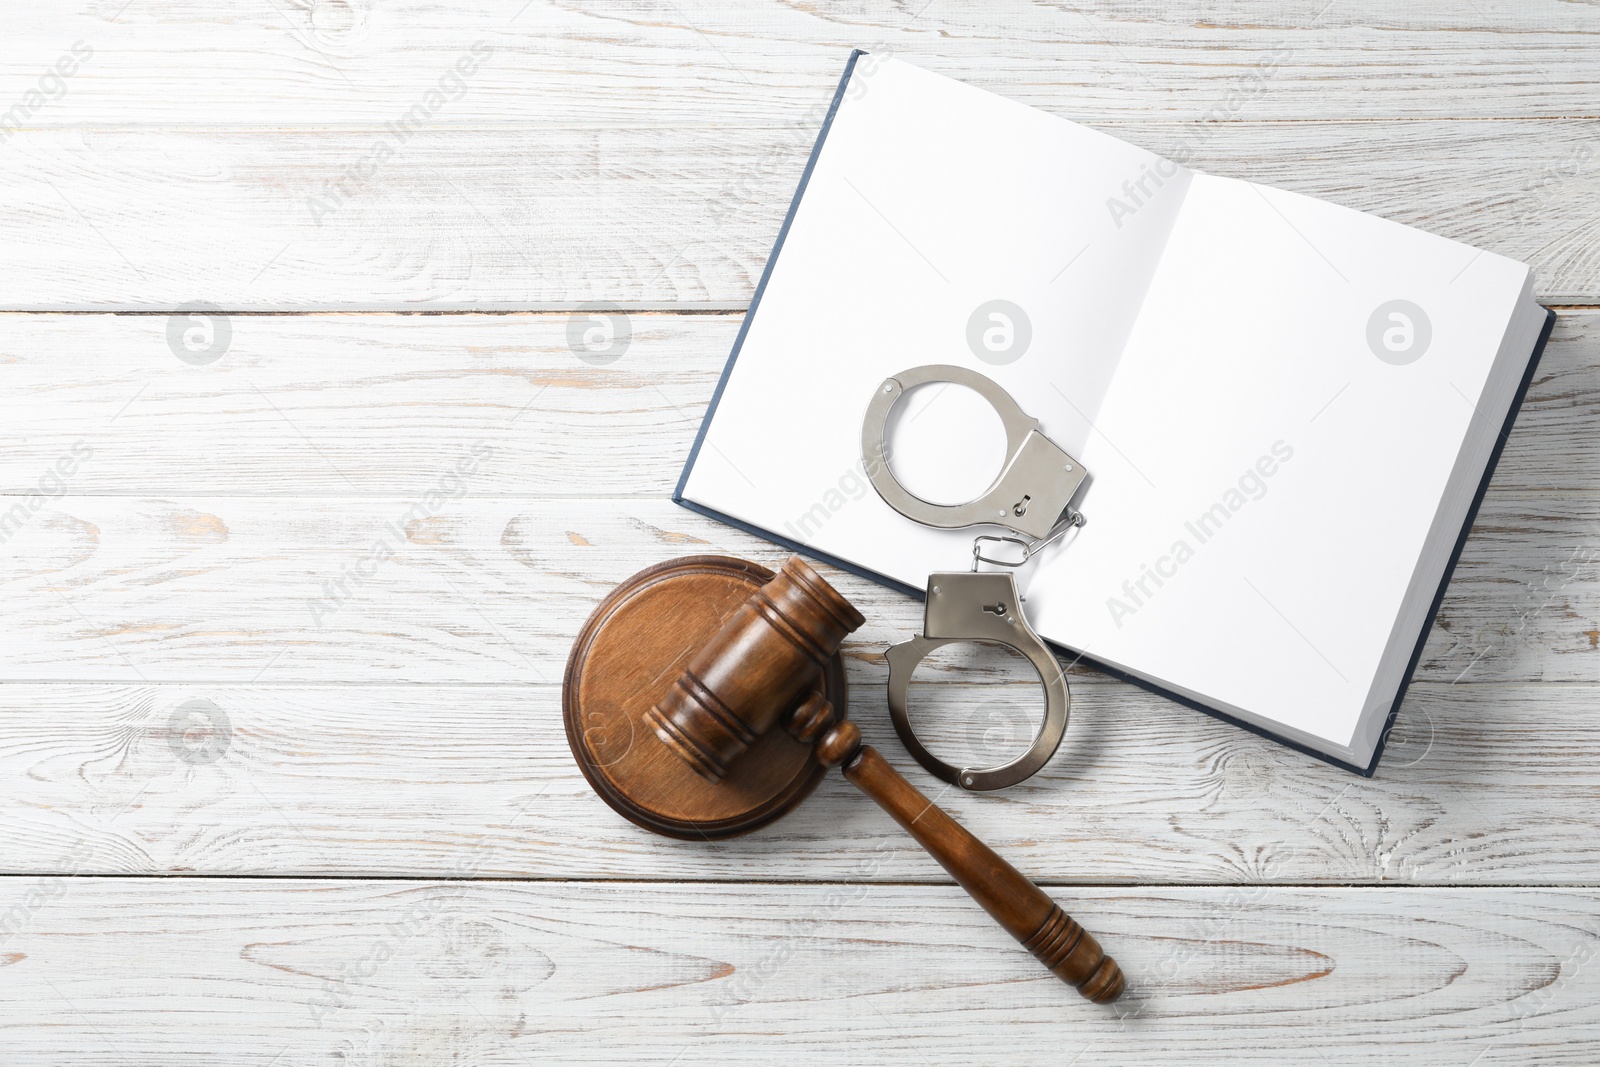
(1252, 347)
(928, 199)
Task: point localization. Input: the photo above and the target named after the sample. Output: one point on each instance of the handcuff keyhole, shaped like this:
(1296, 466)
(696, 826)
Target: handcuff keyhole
(1021, 507)
(996, 609)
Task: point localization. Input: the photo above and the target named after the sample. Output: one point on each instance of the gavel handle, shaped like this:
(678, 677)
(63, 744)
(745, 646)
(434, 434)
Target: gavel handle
(1030, 916)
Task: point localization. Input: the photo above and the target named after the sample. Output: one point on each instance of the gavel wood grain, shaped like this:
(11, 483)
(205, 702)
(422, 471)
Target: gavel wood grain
(771, 660)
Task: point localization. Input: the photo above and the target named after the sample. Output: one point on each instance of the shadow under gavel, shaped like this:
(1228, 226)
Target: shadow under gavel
(761, 670)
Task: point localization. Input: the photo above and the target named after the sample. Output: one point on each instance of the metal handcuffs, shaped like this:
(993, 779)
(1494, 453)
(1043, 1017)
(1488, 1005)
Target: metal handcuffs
(1030, 497)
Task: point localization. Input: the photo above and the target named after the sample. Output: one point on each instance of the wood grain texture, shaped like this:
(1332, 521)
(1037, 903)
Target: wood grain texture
(303, 219)
(645, 154)
(436, 588)
(477, 487)
(643, 666)
(351, 405)
(1026, 912)
(1481, 784)
(416, 972)
(600, 64)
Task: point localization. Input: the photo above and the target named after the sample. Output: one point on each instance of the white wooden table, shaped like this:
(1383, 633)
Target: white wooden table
(361, 538)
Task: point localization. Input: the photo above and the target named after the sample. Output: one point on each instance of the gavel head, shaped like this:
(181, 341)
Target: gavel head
(763, 662)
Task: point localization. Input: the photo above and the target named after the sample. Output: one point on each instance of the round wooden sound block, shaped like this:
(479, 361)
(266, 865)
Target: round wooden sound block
(627, 655)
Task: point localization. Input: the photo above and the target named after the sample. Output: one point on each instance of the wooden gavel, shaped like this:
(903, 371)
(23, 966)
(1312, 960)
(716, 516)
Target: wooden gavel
(762, 667)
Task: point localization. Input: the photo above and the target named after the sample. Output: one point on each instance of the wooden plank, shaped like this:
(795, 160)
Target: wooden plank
(464, 219)
(353, 405)
(1521, 603)
(1481, 784)
(116, 972)
(737, 63)
(486, 590)
(388, 404)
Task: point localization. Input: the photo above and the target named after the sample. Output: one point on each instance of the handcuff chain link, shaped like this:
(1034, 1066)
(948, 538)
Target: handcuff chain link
(1070, 518)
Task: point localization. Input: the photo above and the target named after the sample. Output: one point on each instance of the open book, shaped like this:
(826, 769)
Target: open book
(1289, 410)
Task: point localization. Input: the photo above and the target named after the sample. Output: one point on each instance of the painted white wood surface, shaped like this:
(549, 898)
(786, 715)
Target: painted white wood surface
(1482, 785)
(364, 589)
(428, 878)
(602, 64)
(682, 216)
(384, 405)
(265, 972)
(645, 152)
